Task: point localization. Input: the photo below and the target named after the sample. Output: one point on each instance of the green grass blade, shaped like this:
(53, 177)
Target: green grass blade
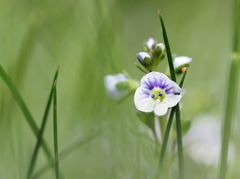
(23, 107)
(55, 131)
(41, 131)
(89, 136)
(178, 118)
(168, 49)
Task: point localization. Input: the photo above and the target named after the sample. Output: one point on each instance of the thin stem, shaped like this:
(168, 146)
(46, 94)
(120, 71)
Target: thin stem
(178, 118)
(55, 131)
(166, 136)
(179, 143)
(231, 93)
(228, 117)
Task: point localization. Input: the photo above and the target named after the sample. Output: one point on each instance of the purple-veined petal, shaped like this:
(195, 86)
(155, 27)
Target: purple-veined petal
(143, 101)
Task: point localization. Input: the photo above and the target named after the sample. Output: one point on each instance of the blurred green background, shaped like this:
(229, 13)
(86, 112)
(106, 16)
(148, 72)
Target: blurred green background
(88, 39)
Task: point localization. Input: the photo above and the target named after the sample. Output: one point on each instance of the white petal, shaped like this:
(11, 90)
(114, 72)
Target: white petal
(172, 100)
(160, 109)
(143, 102)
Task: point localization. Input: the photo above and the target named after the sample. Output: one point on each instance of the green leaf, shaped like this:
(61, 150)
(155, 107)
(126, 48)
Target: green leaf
(42, 128)
(55, 131)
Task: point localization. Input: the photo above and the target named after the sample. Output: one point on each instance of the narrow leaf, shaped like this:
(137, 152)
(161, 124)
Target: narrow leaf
(24, 109)
(41, 131)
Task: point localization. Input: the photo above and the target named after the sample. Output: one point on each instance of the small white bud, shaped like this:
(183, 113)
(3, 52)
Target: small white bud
(150, 43)
(144, 58)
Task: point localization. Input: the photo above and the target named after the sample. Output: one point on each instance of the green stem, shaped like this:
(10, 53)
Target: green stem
(178, 118)
(231, 93)
(55, 131)
(166, 136)
(228, 117)
(179, 143)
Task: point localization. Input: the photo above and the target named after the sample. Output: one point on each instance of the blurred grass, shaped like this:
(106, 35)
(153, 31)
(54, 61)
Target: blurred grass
(88, 39)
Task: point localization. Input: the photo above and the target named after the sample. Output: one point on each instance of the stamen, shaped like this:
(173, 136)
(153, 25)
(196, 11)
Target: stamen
(160, 94)
(153, 95)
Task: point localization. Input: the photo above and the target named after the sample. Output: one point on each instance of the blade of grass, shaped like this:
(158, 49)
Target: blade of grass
(178, 118)
(22, 105)
(232, 90)
(42, 128)
(55, 131)
(69, 150)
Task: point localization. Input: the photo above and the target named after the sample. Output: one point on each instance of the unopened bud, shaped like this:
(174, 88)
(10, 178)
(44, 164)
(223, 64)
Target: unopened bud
(144, 58)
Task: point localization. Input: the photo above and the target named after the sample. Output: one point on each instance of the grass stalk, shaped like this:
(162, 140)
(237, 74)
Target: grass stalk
(231, 92)
(178, 118)
(41, 131)
(55, 131)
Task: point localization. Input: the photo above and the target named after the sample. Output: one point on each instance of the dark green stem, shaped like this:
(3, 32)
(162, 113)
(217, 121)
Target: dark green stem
(55, 131)
(178, 118)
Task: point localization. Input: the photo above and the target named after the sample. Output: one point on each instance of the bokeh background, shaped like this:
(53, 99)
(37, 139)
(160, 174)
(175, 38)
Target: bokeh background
(88, 39)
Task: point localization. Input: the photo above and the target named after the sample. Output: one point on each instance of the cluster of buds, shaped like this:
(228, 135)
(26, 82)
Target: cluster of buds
(153, 53)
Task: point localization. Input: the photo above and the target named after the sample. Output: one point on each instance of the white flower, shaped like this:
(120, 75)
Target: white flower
(203, 141)
(157, 93)
(111, 84)
(150, 43)
(181, 61)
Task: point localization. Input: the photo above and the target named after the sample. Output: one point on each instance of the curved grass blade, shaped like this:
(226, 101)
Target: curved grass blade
(55, 131)
(22, 105)
(89, 136)
(42, 128)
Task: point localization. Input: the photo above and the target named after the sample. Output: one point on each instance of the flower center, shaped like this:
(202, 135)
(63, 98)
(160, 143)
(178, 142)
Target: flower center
(158, 94)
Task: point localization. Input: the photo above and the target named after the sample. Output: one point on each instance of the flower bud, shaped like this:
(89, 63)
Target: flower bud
(151, 42)
(144, 58)
(180, 62)
(159, 49)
